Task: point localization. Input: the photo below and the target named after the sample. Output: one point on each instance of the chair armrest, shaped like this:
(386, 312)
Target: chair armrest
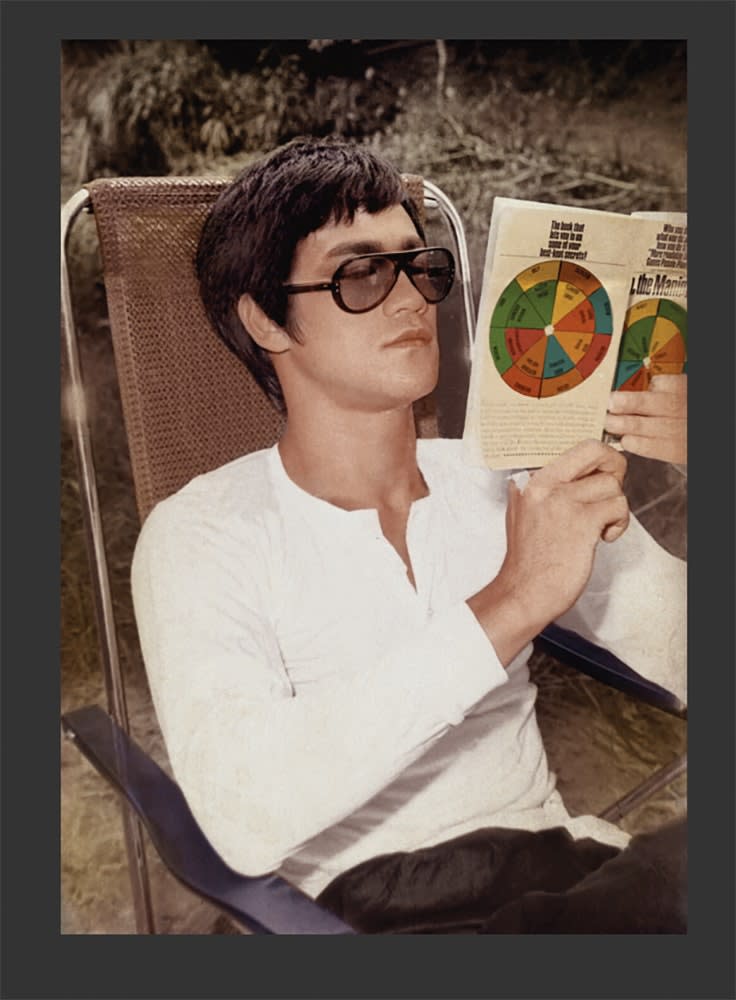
(265, 904)
(575, 651)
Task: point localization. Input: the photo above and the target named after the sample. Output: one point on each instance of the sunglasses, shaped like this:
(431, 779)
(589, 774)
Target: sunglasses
(362, 283)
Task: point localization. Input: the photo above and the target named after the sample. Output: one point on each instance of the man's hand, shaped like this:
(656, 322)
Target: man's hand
(552, 529)
(652, 423)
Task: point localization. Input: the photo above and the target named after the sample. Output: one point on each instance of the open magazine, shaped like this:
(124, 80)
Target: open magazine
(574, 303)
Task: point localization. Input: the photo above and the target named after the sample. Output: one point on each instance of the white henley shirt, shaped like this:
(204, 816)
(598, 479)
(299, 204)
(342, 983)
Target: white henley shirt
(318, 710)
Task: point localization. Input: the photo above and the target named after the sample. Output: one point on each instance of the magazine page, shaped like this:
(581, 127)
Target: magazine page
(555, 290)
(654, 339)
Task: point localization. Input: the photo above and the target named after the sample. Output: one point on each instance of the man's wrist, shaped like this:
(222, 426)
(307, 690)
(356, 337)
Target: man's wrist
(506, 618)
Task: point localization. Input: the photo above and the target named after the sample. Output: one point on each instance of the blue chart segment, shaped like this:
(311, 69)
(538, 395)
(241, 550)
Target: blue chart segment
(550, 329)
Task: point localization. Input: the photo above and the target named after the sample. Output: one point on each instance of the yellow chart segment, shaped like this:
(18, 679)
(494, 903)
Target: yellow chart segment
(663, 332)
(567, 297)
(648, 307)
(547, 270)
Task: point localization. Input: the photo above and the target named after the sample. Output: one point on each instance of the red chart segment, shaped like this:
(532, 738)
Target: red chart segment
(550, 329)
(654, 342)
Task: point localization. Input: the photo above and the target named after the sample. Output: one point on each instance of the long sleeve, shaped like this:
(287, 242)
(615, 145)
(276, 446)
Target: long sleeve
(265, 769)
(635, 604)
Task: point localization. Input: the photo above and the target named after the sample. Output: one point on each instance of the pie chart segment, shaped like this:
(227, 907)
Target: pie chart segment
(499, 349)
(556, 362)
(521, 382)
(574, 344)
(561, 383)
(568, 296)
(654, 342)
(518, 342)
(532, 363)
(550, 329)
(542, 296)
(672, 311)
(506, 301)
(546, 270)
(595, 354)
(603, 314)
(647, 307)
(524, 312)
(664, 333)
(637, 381)
(625, 371)
(636, 340)
(581, 318)
(576, 275)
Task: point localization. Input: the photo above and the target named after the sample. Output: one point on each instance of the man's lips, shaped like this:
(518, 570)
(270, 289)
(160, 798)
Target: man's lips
(412, 337)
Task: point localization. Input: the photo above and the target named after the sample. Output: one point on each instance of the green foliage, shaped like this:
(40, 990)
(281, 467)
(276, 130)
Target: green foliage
(159, 107)
(148, 106)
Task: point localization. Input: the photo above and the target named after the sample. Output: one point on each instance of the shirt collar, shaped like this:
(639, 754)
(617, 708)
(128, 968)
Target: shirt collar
(323, 511)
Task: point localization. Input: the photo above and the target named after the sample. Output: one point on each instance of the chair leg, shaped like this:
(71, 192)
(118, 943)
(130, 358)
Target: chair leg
(659, 780)
(138, 871)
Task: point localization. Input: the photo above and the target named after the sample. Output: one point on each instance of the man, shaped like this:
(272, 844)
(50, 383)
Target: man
(336, 630)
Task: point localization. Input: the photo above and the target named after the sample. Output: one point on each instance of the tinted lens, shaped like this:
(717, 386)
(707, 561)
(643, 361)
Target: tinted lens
(364, 282)
(432, 272)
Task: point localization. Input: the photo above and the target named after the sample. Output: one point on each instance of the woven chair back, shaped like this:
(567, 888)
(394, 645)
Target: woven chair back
(189, 404)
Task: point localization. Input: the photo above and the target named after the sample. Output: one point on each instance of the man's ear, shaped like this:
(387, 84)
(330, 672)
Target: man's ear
(267, 334)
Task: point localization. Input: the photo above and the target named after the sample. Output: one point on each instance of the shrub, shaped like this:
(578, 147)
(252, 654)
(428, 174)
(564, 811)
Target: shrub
(148, 106)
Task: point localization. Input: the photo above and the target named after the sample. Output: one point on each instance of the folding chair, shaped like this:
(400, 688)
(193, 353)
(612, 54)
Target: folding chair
(187, 412)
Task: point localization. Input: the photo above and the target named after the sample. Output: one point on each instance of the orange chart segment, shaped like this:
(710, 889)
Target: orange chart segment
(575, 345)
(580, 277)
(548, 338)
(561, 383)
(532, 363)
(522, 383)
(581, 318)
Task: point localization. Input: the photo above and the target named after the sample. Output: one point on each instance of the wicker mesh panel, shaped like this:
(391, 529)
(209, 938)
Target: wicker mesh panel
(189, 405)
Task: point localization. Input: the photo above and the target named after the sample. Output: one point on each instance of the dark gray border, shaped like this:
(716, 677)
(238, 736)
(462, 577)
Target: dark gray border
(36, 962)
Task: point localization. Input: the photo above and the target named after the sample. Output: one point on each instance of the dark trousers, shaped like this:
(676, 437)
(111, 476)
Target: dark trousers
(497, 881)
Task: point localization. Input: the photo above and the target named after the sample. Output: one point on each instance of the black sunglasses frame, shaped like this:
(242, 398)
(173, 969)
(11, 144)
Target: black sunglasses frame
(401, 260)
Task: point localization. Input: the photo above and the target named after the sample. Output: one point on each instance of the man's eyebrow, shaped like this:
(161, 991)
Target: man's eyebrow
(358, 247)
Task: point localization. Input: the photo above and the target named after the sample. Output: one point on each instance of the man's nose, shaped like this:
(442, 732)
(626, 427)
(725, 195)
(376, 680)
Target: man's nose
(404, 295)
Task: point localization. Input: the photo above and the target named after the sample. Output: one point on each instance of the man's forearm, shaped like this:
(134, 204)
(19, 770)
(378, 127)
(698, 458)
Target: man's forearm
(504, 617)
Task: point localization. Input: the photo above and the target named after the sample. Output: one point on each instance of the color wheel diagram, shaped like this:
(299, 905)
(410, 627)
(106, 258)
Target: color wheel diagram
(551, 328)
(654, 342)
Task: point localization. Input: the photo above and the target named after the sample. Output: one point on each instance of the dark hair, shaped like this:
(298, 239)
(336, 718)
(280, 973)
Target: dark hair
(248, 240)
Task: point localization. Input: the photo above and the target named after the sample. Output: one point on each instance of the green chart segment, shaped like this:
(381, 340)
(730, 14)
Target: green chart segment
(550, 329)
(654, 342)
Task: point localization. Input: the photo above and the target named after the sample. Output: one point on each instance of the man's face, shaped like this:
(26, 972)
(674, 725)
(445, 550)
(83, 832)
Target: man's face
(373, 361)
